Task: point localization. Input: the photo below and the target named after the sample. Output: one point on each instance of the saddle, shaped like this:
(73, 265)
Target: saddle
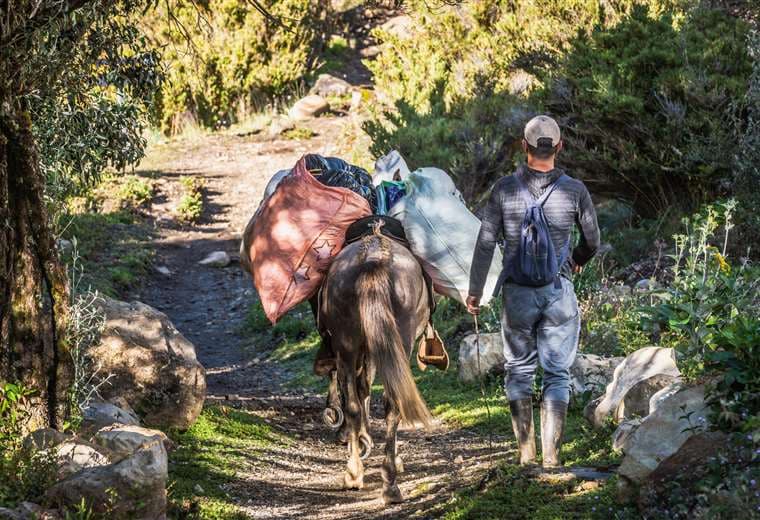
(430, 348)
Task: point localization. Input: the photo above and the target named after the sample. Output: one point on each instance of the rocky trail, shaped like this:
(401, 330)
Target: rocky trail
(208, 305)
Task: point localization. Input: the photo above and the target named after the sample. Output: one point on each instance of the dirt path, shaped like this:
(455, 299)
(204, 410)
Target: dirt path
(208, 305)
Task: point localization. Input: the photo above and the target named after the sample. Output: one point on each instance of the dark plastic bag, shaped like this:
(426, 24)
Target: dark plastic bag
(335, 172)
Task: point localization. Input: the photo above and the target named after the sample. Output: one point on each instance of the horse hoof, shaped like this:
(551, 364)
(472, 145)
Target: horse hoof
(365, 446)
(333, 417)
(354, 482)
(343, 436)
(392, 495)
(399, 465)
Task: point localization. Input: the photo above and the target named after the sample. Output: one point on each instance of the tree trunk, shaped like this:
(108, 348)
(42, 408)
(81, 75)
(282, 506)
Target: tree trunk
(33, 286)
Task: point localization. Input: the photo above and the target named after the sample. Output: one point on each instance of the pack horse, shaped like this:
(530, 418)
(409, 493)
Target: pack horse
(374, 304)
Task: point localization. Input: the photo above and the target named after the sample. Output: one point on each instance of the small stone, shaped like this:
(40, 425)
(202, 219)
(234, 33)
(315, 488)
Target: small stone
(216, 259)
(459, 459)
(327, 85)
(233, 397)
(162, 269)
(99, 414)
(308, 107)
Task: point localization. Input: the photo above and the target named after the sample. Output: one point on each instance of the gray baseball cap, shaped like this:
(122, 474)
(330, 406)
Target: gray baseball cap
(542, 130)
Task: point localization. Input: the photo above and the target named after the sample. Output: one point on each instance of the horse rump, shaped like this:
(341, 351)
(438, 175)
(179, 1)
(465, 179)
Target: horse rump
(384, 341)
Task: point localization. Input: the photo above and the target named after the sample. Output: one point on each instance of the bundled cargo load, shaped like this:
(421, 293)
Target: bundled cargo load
(332, 171)
(442, 232)
(390, 167)
(245, 243)
(297, 231)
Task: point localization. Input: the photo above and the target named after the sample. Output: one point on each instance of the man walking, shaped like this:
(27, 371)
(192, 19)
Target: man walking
(535, 210)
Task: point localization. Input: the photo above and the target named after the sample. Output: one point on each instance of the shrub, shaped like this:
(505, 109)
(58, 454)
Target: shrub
(190, 207)
(708, 311)
(650, 97)
(24, 474)
(650, 106)
(238, 59)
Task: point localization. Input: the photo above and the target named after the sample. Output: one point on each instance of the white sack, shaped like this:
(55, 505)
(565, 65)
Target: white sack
(442, 232)
(245, 245)
(387, 166)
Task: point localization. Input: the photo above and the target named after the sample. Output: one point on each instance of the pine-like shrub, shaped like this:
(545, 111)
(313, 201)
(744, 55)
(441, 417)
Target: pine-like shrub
(237, 61)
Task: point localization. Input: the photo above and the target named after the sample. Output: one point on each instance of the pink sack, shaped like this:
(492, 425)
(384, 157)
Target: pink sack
(296, 234)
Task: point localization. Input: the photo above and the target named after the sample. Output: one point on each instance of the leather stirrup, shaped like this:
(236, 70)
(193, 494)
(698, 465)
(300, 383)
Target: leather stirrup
(431, 350)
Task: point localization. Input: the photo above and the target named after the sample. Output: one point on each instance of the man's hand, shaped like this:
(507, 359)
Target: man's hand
(473, 305)
(577, 268)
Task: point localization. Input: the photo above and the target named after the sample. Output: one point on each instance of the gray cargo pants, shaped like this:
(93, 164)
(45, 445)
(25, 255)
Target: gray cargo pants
(539, 324)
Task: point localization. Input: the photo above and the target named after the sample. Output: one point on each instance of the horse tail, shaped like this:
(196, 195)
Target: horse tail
(384, 341)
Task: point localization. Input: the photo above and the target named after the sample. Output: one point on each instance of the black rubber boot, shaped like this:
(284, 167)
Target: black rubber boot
(553, 414)
(522, 425)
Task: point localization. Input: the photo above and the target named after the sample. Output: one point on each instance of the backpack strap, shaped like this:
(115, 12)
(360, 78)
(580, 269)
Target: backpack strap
(528, 197)
(542, 199)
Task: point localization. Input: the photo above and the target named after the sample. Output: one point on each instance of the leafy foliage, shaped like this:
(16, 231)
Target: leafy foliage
(650, 105)
(239, 60)
(190, 207)
(650, 97)
(93, 115)
(26, 473)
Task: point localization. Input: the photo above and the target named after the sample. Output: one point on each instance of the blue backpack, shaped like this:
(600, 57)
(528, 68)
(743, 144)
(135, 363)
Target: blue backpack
(535, 263)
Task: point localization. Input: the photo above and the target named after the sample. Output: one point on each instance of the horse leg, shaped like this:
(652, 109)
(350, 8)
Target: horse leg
(354, 477)
(391, 492)
(365, 391)
(332, 416)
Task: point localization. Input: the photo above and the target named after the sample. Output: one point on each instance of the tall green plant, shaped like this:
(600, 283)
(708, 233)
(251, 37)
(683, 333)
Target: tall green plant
(709, 313)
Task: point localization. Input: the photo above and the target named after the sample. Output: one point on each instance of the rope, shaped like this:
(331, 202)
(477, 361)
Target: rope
(483, 395)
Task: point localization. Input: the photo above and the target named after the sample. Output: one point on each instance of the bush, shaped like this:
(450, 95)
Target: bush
(458, 85)
(238, 59)
(709, 312)
(650, 97)
(190, 207)
(650, 106)
(24, 473)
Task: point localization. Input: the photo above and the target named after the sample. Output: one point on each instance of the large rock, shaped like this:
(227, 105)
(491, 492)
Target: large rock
(152, 366)
(491, 356)
(636, 400)
(75, 455)
(124, 440)
(663, 432)
(134, 487)
(591, 372)
(308, 107)
(663, 394)
(636, 367)
(328, 85)
(401, 26)
(624, 430)
(44, 438)
(694, 452)
(98, 414)
(28, 511)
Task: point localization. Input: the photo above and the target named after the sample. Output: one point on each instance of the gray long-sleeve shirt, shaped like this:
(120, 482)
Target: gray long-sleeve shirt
(570, 204)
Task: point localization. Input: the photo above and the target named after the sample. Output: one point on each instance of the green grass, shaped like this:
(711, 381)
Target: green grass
(292, 343)
(114, 249)
(515, 494)
(512, 493)
(212, 454)
(190, 207)
(299, 133)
